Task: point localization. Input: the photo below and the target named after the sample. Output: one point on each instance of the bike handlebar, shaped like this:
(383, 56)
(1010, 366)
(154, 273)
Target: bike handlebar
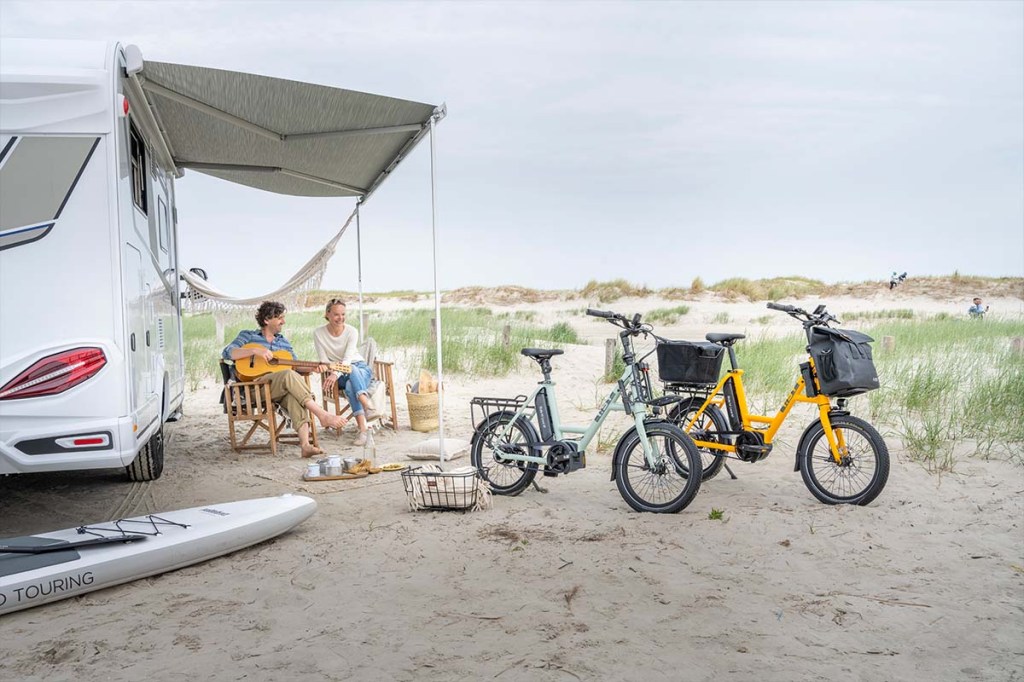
(631, 325)
(819, 317)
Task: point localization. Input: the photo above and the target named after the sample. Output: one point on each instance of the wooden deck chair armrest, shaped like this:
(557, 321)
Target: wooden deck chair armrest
(329, 390)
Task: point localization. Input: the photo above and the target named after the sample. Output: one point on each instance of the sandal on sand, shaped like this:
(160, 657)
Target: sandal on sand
(360, 439)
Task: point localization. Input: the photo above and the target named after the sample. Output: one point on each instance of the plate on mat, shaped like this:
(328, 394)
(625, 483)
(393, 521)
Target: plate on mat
(394, 466)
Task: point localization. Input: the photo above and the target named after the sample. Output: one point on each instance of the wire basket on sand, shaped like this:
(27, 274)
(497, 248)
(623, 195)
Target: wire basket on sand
(428, 487)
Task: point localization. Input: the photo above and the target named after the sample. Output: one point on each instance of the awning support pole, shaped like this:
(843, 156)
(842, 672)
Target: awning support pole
(437, 291)
(359, 274)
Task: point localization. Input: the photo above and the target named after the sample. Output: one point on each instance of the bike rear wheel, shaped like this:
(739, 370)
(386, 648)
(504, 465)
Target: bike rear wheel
(667, 487)
(707, 428)
(506, 477)
(861, 474)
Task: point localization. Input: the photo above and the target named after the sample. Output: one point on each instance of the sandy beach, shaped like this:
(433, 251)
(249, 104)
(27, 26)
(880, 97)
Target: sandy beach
(927, 582)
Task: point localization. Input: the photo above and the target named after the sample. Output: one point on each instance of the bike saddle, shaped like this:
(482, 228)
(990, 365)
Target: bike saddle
(724, 339)
(541, 353)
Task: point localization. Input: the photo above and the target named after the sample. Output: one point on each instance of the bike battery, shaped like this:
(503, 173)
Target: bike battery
(544, 415)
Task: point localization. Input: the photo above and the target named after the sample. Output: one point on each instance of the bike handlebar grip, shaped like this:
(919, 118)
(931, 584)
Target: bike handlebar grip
(779, 306)
(600, 313)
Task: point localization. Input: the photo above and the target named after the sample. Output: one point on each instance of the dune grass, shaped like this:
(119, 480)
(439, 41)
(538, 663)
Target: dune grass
(474, 339)
(946, 385)
(884, 314)
(666, 315)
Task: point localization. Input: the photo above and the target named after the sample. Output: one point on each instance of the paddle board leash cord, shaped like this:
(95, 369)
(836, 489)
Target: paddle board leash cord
(152, 521)
(123, 535)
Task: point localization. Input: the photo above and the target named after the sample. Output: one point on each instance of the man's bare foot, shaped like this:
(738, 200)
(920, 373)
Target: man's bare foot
(310, 451)
(334, 421)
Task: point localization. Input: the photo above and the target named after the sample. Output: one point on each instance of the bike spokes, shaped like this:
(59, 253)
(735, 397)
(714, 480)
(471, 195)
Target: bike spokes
(660, 483)
(862, 470)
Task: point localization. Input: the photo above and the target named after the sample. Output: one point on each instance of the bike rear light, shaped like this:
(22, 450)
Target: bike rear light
(55, 374)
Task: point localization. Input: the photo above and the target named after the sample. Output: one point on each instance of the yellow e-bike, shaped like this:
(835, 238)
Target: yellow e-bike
(842, 459)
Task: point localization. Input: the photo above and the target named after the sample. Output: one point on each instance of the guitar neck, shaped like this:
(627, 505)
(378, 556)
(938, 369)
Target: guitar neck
(306, 364)
(310, 365)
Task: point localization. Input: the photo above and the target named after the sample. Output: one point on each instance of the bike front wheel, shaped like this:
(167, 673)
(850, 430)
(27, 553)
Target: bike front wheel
(491, 444)
(862, 471)
(708, 427)
(666, 487)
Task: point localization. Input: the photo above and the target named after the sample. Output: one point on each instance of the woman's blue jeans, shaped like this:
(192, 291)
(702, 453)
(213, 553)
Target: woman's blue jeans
(355, 384)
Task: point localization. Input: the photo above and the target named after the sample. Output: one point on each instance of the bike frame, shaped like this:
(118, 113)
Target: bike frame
(733, 382)
(621, 399)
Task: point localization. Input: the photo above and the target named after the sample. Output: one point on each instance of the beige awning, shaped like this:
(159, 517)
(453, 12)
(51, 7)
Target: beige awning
(274, 134)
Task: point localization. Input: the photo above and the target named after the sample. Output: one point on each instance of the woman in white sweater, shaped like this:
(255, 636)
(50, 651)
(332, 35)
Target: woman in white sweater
(339, 342)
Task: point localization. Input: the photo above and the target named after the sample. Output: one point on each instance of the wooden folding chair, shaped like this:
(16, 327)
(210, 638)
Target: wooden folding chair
(249, 402)
(382, 372)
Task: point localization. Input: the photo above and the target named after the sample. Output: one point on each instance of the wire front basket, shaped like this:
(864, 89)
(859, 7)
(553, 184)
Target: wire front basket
(428, 487)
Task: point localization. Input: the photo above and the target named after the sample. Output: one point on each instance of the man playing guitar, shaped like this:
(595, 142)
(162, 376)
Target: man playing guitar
(286, 386)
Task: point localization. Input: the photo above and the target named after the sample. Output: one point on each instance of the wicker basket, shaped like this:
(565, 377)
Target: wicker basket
(422, 410)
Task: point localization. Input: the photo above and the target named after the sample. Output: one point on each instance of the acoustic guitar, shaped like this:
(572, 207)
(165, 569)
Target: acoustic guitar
(254, 367)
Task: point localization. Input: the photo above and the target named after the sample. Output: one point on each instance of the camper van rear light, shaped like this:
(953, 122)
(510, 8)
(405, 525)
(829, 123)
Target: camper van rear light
(55, 374)
(91, 440)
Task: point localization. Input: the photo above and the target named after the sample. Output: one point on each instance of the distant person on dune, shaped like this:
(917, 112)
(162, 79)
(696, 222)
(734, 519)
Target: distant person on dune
(977, 311)
(893, 280)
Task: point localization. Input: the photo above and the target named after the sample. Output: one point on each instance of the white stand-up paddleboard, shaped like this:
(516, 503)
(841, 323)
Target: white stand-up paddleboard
(43, 568)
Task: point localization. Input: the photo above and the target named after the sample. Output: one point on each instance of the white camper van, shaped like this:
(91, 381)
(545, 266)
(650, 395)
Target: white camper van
(91, 361)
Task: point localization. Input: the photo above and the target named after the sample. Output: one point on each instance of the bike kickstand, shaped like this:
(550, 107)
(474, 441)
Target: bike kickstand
(731, 474)
(539, 489)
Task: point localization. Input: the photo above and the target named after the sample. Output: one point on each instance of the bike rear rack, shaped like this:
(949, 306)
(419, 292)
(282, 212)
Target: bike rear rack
(488, 405)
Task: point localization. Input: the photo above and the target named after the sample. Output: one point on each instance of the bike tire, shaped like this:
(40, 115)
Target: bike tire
(860, 477)
(708, 428)
(504, 477)
(666, 489)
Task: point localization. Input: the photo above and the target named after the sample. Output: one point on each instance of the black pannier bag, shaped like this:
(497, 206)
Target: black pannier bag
(689, 362)
(843, 361)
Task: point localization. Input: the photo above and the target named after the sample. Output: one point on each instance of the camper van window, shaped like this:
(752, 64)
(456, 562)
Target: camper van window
(165, 236)
(138, 154)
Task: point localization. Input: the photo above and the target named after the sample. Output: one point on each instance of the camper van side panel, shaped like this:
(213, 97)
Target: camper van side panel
(60, 289)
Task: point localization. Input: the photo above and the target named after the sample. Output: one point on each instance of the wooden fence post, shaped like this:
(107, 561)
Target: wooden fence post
(506, 336)
(433, 331)
(889, 343)
(609, 356)
(1017, 344)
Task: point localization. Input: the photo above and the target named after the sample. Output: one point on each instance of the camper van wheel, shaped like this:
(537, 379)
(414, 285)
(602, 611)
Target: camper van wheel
(149, 463)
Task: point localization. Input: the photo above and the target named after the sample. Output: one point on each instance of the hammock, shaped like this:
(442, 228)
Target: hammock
(201, 296)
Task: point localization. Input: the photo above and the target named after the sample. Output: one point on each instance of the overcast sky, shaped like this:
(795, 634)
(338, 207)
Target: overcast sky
(652, 141)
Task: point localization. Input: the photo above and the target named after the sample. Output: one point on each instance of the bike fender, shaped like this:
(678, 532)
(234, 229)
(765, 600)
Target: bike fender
(803, 439)
(619, 447)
